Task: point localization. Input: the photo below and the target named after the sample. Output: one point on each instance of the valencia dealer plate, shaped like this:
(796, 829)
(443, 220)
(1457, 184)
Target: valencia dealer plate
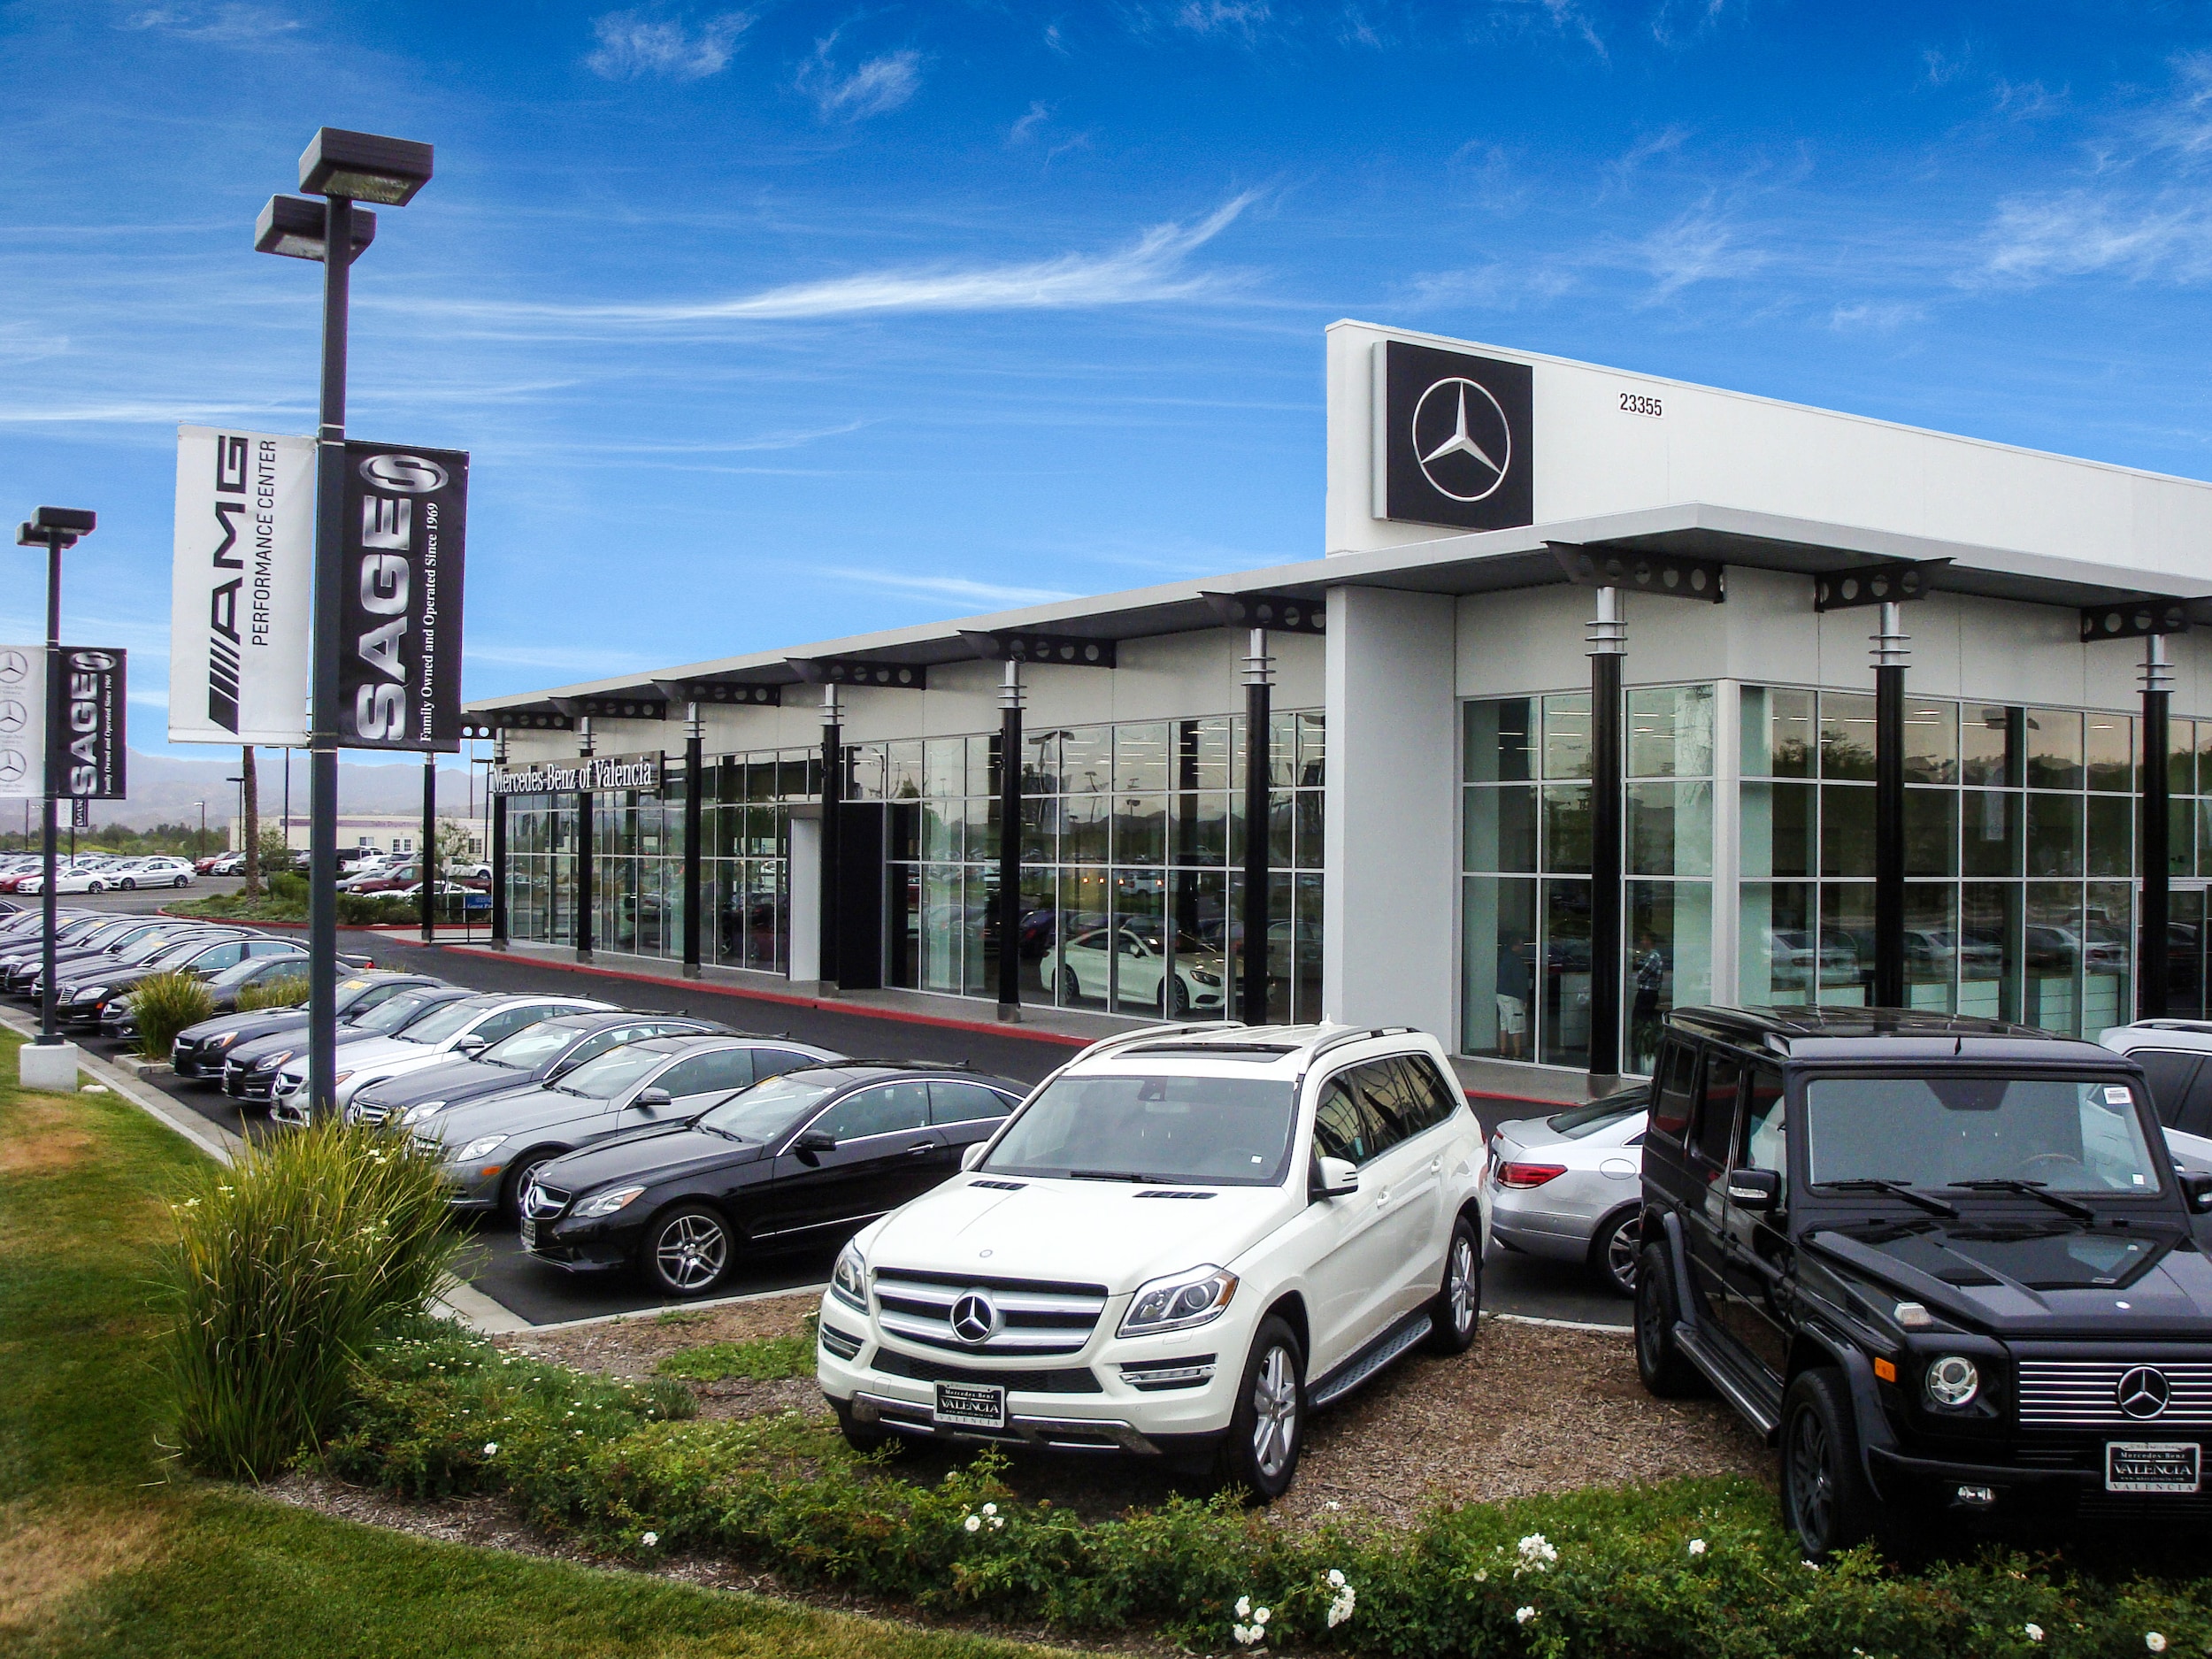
(2152, 1465)
(529, 1233)
(976, 1405)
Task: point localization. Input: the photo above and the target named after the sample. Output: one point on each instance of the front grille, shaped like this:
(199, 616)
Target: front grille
(1066, 1379)
(368, 1111)
(2085, 1392)
(1035, 1317)
(541, 1203)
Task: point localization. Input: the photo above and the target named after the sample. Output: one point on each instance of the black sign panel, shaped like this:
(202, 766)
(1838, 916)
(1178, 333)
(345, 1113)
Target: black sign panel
(85, 741)
(399, 658)
(1455, 444)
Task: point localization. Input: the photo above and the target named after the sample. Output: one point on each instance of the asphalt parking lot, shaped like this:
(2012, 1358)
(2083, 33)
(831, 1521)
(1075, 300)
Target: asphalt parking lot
(498, 1267)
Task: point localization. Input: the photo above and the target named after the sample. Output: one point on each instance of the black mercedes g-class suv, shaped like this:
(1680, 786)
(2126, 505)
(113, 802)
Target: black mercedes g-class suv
(1947, 1265)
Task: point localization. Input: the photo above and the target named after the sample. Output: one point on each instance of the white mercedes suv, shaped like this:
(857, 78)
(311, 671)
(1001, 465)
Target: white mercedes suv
(1183, 1241)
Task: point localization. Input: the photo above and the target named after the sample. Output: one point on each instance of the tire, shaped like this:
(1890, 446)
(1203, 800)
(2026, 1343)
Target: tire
(1458, 1308)
(1267, 1429)
(1174, 998)
(863, 1437)
(1070, 988)
(1825, 1499)
(1614, 1251)
(182, 881)
(686, 1250)
(96, 886)
(519, 1178)
(1665, 1371)
(129, 884)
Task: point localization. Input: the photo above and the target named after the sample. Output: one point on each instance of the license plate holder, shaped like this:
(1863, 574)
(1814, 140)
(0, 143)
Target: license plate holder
(529, 1233)
(2174, 1466)
(970, 1405)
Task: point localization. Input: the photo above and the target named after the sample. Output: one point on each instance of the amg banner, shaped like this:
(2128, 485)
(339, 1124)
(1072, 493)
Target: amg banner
(241, 588)
(86, 743)
(22, 722)
(406, 515)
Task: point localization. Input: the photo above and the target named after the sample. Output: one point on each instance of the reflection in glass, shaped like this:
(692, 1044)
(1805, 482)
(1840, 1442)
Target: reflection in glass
(1671, 732)
(1567, 735)
(1932, 948)
(1990, 832)
(1776, 725)
(1779, 954)
(1931, 832)
(1846, 736)
(1990, 951)
(1847, 830)
(1669, 940)
(2054, 749)
(2111, 753)
(1990, 745)
(2107, 926)
(1498, 930)
(2111, 840)
(2055, 834)
(1931, 740)
(1497, 741)
(1846, 942)
(1776, 832)
(1670, 829)
(2052, 952)
(1565, 994)
(1567, 828)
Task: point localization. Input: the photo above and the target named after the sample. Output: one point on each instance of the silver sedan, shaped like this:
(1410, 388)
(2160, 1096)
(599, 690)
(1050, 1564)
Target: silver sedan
(1570, 1187)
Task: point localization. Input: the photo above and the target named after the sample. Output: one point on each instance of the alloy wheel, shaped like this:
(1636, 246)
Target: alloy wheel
(691, 1252)
(1621, 1249)
(1275, 1412)
(1812, 1484)
(1459, 1285)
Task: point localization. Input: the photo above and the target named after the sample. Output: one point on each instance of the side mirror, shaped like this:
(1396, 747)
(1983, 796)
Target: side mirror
(816, 1140)
(2196, 1188)
(650, 1098)
(1758, 1190)
(1332, 1178)
(972, 1158)
(472, 1045)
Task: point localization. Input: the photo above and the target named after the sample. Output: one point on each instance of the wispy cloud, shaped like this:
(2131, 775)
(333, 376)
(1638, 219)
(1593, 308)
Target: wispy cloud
(231, 25)
(2166, 234)
(1881, 319)
(1939, 68)
(959, 589)
(877, 86)
(2180, 125)
(577, 662)
(632, 45)
(1699, 246)
(1242, 18)
(1150, 269)
(1038, 114)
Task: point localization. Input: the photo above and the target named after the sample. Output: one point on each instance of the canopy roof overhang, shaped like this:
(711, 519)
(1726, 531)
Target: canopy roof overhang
(1485, 561)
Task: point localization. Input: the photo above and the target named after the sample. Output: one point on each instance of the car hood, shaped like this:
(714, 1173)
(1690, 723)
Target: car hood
(286, 1036)
(1086, 1231)
(651, 1156)
(249, 1027)
(531, 1106)
(2024, 1279)
(369, 1051)
(448, 1078)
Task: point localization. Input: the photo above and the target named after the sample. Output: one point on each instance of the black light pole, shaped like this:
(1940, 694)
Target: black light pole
(1009, 843)
(199, 845)
(429, 860)
(1890, 656)
(498, 846)
(53, 529)
(342, 167)
(695, 792)
(833, 801)
(1609, 646)
(1258, 764)
(2151, 975)
(587, 834)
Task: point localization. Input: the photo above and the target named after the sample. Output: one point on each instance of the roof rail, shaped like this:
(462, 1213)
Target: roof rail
(1153, 1033)
(1337, 1040)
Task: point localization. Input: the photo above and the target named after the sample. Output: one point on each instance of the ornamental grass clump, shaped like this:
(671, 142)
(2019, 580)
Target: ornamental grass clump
(289, 992)
(290, 1263)
(163, 1004)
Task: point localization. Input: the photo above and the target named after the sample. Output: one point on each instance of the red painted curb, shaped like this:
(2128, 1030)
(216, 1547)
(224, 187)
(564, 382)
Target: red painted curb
(986, 1028)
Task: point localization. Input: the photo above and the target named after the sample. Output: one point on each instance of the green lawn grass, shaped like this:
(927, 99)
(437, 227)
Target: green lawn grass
(106, 1549)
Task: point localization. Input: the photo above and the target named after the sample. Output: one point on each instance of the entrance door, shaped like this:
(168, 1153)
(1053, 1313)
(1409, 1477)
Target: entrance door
(2185, 952)
(860, 880)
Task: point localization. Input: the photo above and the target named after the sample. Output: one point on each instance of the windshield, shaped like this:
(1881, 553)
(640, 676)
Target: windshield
(611, 1072)
(438, 1027)
(766, 1110)
(2068, 1134)
(1216, 1131)
(530, 1047)
(388, 1017)
(1598, 1115)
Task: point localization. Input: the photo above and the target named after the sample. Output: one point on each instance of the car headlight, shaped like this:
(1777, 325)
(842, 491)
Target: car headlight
(1179, 1302)
(1205, 976)
(849, 1280)
(607, 1203)
(340, 1078)
(1952, 1381)
(416, 1113)
(479, 1147)
(87, 993)
(223, 1041)
(269, 1062)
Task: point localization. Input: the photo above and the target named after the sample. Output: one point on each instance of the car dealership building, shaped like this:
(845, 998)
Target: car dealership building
(1606, 693)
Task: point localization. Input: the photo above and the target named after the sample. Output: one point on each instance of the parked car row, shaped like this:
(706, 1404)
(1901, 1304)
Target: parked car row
(93, 872)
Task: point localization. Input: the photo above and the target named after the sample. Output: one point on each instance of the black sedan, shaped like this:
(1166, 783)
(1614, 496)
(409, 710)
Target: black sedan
(800, 1161)
(199, 1051)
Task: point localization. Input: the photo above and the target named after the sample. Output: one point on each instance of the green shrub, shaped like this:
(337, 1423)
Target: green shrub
(372, 909)
(1685, 1568)
(290, 991)
(291, 1262)
(163, 1004)
(287, 886)
(761, 1360)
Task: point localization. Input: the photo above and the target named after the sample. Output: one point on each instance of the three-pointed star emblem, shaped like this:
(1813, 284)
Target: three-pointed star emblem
(1459, 442)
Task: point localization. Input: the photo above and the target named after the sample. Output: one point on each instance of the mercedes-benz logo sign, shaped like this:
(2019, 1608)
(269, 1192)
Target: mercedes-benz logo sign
(973, 1317)
(1462, 439)
(2143, 1392)
(15, 666)
(14, 767)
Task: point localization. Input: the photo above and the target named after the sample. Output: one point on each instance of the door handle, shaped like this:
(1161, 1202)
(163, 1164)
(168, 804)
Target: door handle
(916, 1151)
(1382, 1199)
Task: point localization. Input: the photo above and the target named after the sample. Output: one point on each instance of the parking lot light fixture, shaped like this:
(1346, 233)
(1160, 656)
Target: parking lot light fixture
(55, 529)
(364, 167)
(296, 228)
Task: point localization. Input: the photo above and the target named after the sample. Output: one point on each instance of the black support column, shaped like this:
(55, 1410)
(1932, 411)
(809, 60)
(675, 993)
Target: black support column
(1890, 657)
(1608, 644)
(2153, 968)
(586, 833)
(695, 791)
(1009, 843)
(1259, 674)
(429, 859)
(499, 872)
(833, 801)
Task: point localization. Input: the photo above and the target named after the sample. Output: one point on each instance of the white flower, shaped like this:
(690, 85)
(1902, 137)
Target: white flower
(1244, 1606)
(990, 1508)
(1336, 1578)
(2153, 1640)
(1537, 1551)
(1246, 1634)
(1697, 1547)
(491, 1448)
(1522, 1615)
(1259, 1616)
(974, 1523)
(2035, 1633)
(649, 1538)
(1481, 1577)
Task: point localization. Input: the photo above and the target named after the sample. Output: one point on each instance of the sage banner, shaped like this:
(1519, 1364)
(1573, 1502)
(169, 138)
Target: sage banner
(22, 722)
(241, 588)
(405, 517)
(88, 743)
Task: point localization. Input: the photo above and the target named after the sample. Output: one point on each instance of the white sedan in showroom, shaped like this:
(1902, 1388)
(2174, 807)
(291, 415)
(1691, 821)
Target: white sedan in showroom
(1570, 1187)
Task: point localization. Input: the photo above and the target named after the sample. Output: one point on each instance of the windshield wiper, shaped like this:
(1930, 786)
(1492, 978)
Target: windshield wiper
(1105, 1175)
(2031, 1189)
(1928, 1201)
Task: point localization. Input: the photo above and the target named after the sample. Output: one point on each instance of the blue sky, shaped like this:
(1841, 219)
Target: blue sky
(773, 324)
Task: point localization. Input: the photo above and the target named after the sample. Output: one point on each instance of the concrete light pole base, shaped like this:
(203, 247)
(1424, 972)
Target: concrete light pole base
(50, 1067)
